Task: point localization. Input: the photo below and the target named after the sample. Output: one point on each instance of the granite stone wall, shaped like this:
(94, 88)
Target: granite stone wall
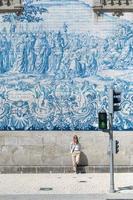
(49, 150)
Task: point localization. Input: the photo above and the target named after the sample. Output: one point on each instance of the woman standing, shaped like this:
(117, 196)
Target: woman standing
(75, 151)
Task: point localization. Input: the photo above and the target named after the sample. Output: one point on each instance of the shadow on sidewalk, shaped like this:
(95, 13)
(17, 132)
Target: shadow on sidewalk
(130, 187)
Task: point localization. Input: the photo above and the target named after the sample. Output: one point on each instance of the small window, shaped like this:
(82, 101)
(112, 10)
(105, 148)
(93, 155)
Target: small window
(11, 6)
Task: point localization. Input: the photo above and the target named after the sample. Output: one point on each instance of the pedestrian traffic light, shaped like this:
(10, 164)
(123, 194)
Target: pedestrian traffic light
(116, 146)
(102, 120)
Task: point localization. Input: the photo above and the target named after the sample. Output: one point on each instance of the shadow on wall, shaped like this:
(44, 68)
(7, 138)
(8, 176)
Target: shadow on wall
(83, 159)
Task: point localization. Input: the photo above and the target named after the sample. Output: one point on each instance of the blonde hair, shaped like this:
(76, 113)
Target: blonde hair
(75, 137)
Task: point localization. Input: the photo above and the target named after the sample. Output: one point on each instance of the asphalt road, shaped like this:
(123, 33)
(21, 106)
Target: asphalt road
(69, 197)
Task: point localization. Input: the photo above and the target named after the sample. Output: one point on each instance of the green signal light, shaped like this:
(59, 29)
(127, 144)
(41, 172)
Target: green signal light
(102, 119)
(103, 125)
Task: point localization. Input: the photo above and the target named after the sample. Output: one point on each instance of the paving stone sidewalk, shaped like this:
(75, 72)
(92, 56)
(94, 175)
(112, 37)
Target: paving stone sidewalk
(90, 183)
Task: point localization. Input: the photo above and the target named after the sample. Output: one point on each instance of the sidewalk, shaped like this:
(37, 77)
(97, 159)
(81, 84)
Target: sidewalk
(90, 183)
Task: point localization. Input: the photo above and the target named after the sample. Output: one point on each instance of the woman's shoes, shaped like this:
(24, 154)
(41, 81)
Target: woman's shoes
(76, 170)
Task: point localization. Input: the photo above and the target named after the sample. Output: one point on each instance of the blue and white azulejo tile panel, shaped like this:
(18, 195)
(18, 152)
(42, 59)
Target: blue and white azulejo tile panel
(57, 62)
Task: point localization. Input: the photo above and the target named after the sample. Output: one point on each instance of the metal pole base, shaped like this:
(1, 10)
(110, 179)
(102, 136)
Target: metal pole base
(112, 190)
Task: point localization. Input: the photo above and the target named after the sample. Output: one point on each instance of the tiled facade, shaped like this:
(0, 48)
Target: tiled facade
(57, 62)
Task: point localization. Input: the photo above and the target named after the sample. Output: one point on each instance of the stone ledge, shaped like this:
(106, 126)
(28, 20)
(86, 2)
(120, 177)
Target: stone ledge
(62, 169)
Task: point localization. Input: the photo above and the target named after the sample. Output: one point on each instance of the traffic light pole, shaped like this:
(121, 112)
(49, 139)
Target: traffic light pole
(114, 105)
(111, 153)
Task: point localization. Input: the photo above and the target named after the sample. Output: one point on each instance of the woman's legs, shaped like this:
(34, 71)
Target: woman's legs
(74, 162)
(77, 158)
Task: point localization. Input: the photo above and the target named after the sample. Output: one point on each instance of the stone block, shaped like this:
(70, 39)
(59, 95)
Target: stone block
(53, 149)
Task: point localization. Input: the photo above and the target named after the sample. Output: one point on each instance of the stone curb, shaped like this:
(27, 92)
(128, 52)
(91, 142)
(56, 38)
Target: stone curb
(63, 169)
